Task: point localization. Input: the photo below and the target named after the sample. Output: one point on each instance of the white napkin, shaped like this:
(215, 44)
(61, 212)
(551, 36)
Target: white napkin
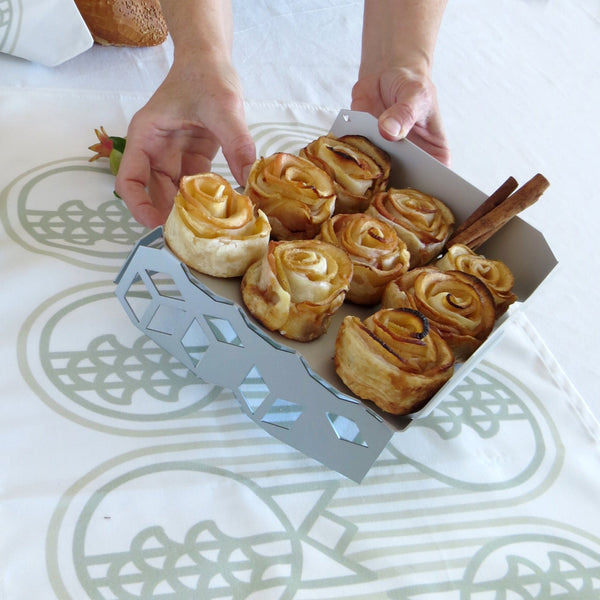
(48, 32)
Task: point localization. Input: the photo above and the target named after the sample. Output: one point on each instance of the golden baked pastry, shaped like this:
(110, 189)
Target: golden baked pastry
(422, 221)
(393, 359)
(378, 255)
(359, 168)
(296, 195)
(297, 286)
(459, 306)
(124, 22)
(494, 273)
(213, 229)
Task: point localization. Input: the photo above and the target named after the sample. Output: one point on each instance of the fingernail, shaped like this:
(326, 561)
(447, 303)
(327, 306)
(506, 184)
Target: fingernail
(391, 126)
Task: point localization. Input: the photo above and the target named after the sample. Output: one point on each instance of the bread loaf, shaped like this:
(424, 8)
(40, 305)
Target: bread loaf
(124, 22)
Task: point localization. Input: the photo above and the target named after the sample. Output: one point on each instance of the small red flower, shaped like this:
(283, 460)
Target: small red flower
(109, 146)
(104, 147)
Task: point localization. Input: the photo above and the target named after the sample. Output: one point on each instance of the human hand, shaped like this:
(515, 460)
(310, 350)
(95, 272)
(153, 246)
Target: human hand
(405, 104)
(178, 132)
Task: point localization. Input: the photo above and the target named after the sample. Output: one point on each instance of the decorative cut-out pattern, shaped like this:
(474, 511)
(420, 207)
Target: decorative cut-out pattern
(138, 299)
(283, 413)
(223, 331)
(195, 342)
(253, 389)
(165, 319)
(165, 285)
(346, 429)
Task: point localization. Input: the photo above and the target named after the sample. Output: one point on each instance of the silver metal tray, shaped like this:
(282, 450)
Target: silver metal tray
(288, 388)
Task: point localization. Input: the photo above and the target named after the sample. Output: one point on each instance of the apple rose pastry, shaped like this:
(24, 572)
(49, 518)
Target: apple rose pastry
(377, 254)
(213, 229)
(494, 273)
(297, 287)
(296, 195)
(359, 168)
(393, 359)
(458, 305)
(422, 221)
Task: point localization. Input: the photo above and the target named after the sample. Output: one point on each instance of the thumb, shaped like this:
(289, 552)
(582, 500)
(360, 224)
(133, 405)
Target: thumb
(396, 122)
(409, 104)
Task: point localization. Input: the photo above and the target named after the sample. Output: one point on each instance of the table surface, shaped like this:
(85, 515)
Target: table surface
(517, 86)
(124, 476)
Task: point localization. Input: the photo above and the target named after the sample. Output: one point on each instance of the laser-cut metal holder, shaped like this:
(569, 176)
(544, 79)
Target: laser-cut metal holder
(296, 401)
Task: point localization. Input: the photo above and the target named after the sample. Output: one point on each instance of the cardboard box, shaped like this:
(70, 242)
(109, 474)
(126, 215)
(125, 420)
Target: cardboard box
(289, 388)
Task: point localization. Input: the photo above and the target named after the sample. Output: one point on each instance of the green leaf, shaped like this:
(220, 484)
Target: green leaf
(118, 143)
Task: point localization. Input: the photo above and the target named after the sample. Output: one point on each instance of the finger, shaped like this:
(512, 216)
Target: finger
(131, 185)
(197, 151)
(240, 154)
(162, 190)
(396, 122)
(434, 143)
(236, 142)
(412, 103)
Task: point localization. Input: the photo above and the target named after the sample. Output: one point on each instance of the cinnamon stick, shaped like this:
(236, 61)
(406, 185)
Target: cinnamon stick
(501, 194)
(492, 221)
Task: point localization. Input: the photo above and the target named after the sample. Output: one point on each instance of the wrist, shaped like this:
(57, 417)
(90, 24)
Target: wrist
(200, 29)
(400, 34)
(416, 63)
(197, 58)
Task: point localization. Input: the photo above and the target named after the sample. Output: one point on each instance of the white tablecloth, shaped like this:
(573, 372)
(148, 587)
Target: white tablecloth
(519, 94)
(124, 477)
